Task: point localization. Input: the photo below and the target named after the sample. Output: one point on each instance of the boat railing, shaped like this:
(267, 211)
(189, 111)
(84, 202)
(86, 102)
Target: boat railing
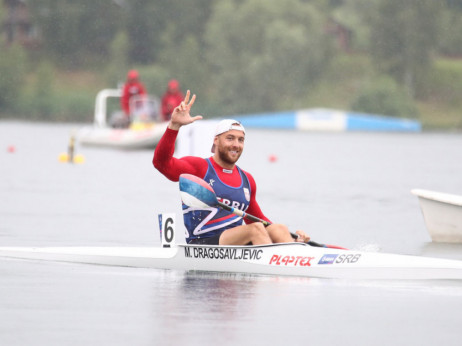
(101, 105)
(144, 108)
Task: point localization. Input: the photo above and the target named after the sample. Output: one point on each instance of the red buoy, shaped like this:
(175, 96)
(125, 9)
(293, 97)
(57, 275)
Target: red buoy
(272, 158)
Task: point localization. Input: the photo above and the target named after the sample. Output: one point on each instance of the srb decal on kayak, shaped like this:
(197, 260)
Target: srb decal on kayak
(350, 258)
(223, 253)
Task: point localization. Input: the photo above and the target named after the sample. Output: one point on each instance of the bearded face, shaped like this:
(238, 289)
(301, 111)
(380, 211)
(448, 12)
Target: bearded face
(229, 146)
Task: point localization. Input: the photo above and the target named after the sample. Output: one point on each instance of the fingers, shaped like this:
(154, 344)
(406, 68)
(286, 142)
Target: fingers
(192, 100)
(183, 106)
(187, 103)
(197, 117)
(180, 115)
(302, 237)
(186, 99)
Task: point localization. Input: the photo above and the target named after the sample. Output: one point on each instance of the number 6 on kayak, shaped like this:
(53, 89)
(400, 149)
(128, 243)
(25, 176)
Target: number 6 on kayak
(167, 229)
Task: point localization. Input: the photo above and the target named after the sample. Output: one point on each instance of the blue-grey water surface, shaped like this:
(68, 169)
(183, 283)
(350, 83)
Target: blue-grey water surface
(350, 189)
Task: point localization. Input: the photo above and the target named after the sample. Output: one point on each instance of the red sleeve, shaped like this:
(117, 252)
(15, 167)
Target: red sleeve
(172, 167)
(254, 208)
(142, 89)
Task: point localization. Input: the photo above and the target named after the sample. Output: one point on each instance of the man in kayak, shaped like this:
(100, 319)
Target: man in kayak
(232, 185)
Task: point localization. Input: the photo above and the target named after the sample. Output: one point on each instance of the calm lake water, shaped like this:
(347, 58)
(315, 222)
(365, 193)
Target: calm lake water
(350, 189)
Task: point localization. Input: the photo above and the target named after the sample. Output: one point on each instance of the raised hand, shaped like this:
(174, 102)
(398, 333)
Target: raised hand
(181, 114)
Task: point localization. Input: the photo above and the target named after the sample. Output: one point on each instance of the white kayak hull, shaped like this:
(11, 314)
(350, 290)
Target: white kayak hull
(145, 138)
(442, 214)
(291, 259)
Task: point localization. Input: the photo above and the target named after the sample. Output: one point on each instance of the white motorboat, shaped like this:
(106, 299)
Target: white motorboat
(144, 131)
(442, 214)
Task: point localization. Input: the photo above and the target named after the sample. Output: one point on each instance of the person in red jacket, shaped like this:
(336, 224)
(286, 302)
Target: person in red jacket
(132, 87)
(171, 99)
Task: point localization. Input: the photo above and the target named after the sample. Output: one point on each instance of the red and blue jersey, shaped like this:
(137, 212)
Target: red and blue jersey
(209, 222)
(236, 183)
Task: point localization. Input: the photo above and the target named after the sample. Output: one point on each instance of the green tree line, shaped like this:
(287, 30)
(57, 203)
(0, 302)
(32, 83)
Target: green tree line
(240, 56)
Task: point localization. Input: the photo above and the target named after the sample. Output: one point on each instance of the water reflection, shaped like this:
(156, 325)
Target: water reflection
(214, 296)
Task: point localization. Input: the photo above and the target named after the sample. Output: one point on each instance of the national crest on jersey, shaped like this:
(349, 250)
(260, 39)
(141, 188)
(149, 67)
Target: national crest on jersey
(207, 222)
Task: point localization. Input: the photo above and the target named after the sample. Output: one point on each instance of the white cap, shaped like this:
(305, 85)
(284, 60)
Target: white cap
(225, 126)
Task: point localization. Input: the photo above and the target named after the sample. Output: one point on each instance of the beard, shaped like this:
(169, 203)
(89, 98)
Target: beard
(224, 156)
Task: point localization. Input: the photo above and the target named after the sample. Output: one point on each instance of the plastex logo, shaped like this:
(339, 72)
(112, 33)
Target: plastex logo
(327, 259)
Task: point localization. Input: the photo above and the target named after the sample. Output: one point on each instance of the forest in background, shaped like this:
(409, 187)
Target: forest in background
(390, 57)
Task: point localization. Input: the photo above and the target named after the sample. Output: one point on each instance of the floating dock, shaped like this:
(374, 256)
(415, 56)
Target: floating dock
(329, 120)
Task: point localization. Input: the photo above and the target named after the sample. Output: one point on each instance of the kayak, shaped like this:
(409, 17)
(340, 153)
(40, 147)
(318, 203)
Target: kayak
(287, 259)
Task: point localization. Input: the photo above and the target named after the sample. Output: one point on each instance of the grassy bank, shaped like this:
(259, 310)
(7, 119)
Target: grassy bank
(70, 96)
(441, 109)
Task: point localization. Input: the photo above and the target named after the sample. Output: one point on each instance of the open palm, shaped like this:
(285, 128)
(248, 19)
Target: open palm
(181, 114)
